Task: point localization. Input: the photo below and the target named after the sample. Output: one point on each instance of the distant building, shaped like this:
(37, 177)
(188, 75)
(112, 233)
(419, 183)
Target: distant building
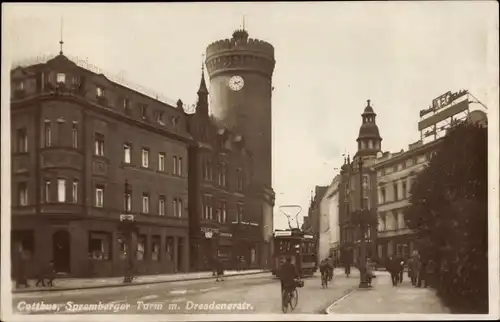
(314, 214)
(359, 192)
(76, 138)
(329, 229)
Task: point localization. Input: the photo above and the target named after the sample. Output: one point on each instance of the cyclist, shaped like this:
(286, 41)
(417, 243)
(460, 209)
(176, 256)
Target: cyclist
(347, 269)
(324, 270)
(287, 274)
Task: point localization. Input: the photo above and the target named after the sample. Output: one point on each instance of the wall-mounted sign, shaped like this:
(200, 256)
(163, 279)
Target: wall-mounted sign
(308, 236)
(226, 235)
(282, 233)
(207, 229)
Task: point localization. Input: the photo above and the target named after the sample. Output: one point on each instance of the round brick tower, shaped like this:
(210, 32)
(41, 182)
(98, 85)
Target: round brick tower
(240, 71)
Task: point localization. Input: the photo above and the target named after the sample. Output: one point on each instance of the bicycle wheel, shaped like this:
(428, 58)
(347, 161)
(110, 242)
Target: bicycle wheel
(284, 301)
(294, 299)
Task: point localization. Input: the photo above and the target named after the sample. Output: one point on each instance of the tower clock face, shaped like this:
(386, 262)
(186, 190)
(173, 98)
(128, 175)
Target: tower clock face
(236, 83)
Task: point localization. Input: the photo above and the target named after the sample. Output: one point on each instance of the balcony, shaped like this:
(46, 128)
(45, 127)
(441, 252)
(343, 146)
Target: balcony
(395, 232)
(393, 205)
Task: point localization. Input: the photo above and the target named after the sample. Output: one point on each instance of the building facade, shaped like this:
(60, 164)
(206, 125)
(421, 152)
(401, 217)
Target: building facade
(220, 169)
(77, 138)
(328, 222)
(395, 175)
(358, 189)
(333, 216)
(240, 71)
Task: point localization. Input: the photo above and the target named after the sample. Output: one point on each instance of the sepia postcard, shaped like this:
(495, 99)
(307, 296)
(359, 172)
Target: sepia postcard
(213, 161)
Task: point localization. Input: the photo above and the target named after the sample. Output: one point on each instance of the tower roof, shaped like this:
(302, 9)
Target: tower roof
(203, 86)
(240, 34)
(368, 109)
(368, 129)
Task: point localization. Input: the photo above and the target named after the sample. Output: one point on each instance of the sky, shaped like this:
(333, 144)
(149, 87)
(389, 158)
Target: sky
(331, 57)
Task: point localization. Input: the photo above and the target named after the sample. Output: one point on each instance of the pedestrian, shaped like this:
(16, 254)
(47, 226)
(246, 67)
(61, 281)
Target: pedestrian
(331, 267)
(413, 269)
(429, 273)
(401, 263)
(369, 271)
(444, 274)
(422, 270)
(51, 274)
(220, 270)
(20, 272)
(392, 268)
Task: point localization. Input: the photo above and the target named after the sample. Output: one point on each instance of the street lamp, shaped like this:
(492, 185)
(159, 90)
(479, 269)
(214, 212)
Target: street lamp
(361, 223)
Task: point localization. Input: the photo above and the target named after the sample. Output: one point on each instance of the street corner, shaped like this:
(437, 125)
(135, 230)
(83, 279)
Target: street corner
(347, 293)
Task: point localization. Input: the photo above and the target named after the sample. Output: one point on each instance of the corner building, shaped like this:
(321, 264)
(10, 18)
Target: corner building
(76, 138)
(240, 71)
(356, 192)
(220, 167)
(396, 173)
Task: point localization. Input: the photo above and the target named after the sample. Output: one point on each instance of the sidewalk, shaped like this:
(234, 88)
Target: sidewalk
(65, 284)
(384, 298)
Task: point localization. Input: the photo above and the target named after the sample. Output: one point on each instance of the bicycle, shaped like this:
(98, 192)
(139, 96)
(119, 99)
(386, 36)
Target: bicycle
(289, 298)
(324, 280)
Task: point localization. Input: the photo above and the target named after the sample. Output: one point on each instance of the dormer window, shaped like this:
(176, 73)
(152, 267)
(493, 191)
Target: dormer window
(159, 117)
(20, 85)
(61, 78)
(174, 121)
(144, 111)
(126, 103)
(100, 92)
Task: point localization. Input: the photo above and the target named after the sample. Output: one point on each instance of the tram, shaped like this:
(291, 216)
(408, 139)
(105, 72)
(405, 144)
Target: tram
(301, 247)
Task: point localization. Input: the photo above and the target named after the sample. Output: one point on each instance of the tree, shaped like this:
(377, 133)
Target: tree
(449, 211)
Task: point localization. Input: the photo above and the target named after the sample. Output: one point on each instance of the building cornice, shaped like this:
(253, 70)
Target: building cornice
(407, 154)
(32, 100)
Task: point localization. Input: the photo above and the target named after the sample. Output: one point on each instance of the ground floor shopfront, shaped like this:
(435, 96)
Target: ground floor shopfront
(402, 245)
(236, 247)
(97, 248)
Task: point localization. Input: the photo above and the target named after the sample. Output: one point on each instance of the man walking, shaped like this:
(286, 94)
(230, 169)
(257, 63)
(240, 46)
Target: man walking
(392, 268)
(413, 269)
(422, 272)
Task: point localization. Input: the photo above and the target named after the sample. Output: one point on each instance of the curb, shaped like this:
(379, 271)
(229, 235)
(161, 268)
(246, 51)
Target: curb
(348, 292)
(27, 290)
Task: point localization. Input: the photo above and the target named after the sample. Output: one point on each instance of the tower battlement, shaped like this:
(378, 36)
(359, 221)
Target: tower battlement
(240, 52)
(243, 44)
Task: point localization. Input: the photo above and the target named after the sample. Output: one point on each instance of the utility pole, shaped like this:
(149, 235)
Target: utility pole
(362, 261)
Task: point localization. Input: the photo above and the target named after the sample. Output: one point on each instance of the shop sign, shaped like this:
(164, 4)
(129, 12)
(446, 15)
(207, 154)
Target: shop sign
(212, 230)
